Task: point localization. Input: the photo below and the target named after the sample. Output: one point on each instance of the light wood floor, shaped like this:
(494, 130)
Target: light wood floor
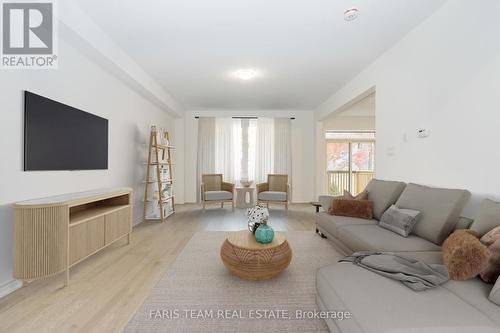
(106, 289)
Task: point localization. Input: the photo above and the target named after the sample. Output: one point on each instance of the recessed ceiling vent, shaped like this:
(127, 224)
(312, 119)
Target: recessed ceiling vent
(351, 14)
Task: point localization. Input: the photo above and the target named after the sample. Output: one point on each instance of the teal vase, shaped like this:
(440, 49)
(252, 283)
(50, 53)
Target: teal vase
(264, 234)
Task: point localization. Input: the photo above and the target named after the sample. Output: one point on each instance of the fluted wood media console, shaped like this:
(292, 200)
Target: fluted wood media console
(52, 234)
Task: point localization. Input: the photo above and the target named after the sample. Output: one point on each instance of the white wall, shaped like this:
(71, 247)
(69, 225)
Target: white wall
(344, 123)
(443, 76)
(82, 84)
(302, 149)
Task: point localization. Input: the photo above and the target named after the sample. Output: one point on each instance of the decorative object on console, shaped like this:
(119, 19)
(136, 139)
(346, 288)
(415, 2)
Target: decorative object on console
(400, 221)
(352, 208)
(264, 234)
(464, 255)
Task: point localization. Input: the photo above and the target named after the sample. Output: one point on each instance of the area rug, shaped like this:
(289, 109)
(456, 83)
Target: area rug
(198, 294)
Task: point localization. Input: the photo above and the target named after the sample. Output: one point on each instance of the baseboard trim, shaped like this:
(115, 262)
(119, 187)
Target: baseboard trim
(10, 287)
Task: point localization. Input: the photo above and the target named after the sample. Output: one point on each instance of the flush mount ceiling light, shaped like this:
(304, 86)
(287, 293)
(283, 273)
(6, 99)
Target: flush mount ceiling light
(246, 74)
(351, 14)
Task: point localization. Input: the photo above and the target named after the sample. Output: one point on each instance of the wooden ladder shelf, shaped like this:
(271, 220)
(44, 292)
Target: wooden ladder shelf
(159, 157)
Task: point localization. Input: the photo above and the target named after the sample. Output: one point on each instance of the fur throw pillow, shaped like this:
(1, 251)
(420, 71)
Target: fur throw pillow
(492, 271)
(464, 255)
(352, 208)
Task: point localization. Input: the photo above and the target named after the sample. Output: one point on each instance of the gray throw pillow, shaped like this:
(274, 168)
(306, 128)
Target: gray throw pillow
(400, 221)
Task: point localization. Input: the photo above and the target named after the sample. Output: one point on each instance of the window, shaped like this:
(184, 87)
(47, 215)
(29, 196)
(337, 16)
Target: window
(350, 160)
(248, 148)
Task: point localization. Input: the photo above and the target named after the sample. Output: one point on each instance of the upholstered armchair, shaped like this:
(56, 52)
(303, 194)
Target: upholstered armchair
(214, 190)
(276, 190)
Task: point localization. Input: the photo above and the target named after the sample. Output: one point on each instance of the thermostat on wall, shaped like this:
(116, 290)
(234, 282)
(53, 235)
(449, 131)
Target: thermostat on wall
(422, 133)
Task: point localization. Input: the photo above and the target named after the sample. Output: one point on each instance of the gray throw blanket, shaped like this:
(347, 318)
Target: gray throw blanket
(412, 273)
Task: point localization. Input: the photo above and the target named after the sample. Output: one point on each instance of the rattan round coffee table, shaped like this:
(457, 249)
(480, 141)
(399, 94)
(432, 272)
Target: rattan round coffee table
(250, 260)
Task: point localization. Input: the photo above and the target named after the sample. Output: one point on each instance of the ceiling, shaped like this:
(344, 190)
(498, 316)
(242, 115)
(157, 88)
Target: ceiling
(303, 50)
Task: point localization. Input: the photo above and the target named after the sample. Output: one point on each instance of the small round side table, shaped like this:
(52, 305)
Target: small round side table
(242, 201)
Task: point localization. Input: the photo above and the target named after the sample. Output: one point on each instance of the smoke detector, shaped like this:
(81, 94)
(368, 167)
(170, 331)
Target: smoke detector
(351, 14)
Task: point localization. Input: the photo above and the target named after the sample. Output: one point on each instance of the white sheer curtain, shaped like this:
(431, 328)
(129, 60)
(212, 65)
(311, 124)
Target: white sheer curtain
(252, 152)
(273, 151)
(228, 148)
(264, 149)
(244, 148)
(206, 149)
(283, 148)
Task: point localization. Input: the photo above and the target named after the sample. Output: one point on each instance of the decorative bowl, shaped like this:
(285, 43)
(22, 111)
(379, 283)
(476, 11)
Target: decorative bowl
(246, 183)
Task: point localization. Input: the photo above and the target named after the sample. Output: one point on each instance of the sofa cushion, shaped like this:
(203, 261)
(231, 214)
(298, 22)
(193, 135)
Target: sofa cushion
(331, 223)
(272, 196)
(218, 195)
(440, 209)
(402, 309)
(487, 218)
(374, 238)
(495, 293)
(383, 193)
(475, 292)
(329, 300)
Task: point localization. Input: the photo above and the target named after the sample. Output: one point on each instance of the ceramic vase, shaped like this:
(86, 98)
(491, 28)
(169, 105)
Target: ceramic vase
(264, 234)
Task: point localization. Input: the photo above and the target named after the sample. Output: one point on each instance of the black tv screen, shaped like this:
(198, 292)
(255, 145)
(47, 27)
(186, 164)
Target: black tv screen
(60, 137)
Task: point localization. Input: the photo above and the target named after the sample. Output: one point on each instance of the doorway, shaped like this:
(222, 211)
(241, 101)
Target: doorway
(350, 147)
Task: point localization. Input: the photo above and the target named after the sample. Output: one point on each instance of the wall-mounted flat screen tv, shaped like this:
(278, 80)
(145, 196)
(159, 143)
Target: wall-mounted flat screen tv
(60, 137)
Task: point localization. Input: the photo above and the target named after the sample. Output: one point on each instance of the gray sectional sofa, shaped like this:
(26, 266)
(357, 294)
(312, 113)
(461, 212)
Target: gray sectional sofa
(379, 304)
